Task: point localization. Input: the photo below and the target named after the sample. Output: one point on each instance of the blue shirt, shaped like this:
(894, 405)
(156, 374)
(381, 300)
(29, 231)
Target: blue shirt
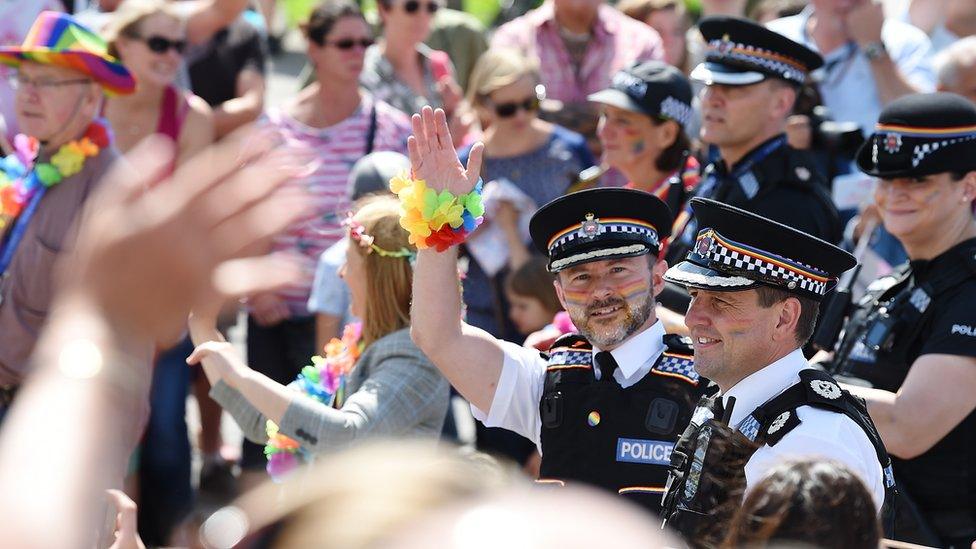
(846, 81)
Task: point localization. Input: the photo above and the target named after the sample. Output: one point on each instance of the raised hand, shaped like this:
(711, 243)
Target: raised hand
(433, 158)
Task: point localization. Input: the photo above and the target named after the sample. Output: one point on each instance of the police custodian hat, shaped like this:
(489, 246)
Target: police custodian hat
(652, 88)
(599, 224)
(921, 134)
(740, 52)
(737, 250)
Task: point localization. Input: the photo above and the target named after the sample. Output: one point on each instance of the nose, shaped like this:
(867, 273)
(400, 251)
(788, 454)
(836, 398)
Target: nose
(694, 316)
(712, 95)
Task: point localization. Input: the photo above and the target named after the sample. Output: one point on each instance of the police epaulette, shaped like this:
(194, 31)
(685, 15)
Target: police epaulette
(570, 351)
(677, 360)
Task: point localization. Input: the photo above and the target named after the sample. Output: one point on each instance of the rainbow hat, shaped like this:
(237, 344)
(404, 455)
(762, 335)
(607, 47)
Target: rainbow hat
(57, 39)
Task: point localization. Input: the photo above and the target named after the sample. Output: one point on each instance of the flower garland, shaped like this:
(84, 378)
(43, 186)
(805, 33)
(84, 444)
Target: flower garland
(324, 380)
(436, 220)
(20, 177)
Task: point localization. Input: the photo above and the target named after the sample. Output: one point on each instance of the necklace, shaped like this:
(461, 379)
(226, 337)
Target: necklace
(21, 177)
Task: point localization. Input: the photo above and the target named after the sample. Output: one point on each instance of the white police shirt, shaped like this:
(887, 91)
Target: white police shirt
(846, 81)
(821, 433)
(516, 403)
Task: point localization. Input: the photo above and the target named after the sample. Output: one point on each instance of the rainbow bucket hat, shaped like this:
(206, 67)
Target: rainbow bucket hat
(57, 39)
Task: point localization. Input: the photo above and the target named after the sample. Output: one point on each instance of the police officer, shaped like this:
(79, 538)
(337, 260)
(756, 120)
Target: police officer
(752, 76)
(643, 117)
(606, 405)
(756, 286)
(911, 343)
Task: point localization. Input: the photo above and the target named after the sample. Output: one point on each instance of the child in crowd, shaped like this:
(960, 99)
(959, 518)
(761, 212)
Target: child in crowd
(531, 296)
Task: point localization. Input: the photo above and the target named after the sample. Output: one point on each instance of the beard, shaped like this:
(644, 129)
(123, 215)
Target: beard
(603, 335)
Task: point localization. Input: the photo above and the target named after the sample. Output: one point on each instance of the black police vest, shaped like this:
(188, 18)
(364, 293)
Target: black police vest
(708, 464)
(608, 436)
(879, 345)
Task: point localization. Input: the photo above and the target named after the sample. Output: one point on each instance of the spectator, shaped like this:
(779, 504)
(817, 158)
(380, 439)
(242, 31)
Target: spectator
(57, 103)
(696, 45)
(956, 68)
(340, 123)
(944, 21)
(768, 10)
(643, 116)
(228, 72)
(462, 36)
(528, 162)
(149, 37)
(391, 389)
(578, 45)
(670, 19)
(869, 61)
(405, 72)
(329, 299)
(816, 502)
(15, 20)
(533, 298)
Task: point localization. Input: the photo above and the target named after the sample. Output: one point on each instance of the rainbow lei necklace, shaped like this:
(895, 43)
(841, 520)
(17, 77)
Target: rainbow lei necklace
(21, 178)
(325, 381)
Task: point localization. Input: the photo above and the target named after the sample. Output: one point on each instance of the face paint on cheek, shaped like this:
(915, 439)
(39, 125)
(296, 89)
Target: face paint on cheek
(638, 147)
(575, 298)
(634, 290)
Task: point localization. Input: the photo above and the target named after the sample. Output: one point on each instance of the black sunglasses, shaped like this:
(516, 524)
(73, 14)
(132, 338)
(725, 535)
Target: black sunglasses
(350, 43)
(158, 44)
(413, 6)
(508, 110)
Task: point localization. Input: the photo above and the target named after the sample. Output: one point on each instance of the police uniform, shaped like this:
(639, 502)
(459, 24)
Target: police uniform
(773, 179)
(785, 409)
(607, 418)
(925, 307)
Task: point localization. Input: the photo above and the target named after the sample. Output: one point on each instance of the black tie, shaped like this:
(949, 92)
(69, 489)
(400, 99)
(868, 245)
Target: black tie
(607, 365)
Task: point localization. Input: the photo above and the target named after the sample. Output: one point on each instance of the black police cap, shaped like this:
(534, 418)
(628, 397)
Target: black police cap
(741, 52)
(921, 134)
(652, 88)
(737, 250)
(600, 224)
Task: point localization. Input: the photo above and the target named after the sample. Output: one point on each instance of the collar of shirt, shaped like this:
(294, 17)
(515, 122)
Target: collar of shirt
(637, 354)
(757, 388)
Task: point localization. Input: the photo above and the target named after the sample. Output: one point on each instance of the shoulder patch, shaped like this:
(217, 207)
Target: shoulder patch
(780, 426)
(571, 351)
(678, 366)
(821, 388)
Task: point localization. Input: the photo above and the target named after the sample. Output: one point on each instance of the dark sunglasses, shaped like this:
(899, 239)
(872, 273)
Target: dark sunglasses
(350, 43)
(508, 110)
(158, 44)
(413, 6)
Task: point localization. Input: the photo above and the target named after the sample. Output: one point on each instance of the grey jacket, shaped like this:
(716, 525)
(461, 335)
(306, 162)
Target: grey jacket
(393, 390)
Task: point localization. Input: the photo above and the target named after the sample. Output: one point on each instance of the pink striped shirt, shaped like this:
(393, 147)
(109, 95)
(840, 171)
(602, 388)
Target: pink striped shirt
(616, 42)
(338, 147)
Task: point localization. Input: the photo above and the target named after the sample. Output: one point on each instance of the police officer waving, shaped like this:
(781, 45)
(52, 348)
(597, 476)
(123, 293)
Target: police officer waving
(605, 406)
(752, 76)
(912, 339)
(756, 286)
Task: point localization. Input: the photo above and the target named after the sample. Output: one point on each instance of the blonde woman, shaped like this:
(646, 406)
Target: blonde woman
(392, 390)
(149, 37)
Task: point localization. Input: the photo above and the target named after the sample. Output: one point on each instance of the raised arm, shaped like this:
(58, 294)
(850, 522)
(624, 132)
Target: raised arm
(469, 358)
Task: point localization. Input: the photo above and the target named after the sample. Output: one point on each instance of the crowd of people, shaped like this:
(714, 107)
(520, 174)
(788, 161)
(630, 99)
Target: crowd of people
(578, 272)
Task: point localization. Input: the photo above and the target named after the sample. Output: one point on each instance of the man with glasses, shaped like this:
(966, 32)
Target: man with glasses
(580, 45)
(63, 70)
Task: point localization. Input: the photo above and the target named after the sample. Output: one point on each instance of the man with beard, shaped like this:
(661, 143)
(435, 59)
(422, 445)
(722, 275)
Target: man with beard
(604, 406)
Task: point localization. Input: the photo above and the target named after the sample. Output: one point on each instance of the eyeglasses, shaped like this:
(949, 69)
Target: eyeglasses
(508, 110)
(350, 43)
(413, 6)
(19, 81)
(159, 44)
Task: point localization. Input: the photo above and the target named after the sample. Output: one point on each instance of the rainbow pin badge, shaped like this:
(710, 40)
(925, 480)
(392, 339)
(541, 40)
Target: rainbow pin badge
(593, 418)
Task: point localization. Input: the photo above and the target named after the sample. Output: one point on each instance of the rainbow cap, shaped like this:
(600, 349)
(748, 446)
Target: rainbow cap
(57, 39)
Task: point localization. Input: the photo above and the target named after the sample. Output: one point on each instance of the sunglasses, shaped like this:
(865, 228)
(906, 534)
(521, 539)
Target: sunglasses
(158, 44)
(413, 6)
(350, 43)
(508, 110)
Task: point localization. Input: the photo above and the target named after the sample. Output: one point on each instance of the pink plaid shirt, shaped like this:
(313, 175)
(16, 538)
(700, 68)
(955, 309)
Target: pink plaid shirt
(616, 42)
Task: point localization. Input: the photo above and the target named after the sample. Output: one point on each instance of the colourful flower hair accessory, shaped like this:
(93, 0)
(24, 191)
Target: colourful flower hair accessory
(436, 220)
(358, 233)
(324, 380)
(21, 178)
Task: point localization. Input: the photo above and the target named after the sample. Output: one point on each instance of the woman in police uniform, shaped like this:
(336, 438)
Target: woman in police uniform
(910, 347)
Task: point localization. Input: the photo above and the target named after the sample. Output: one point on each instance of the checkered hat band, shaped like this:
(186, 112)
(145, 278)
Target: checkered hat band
(924, 149)
(620, 226)
(719, 50)
(738, 259)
